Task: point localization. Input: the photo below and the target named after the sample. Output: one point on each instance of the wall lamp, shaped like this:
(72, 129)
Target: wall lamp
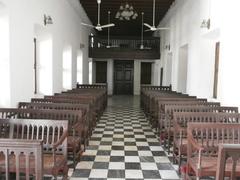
(167, 47)
(47, 20)
(206, 23)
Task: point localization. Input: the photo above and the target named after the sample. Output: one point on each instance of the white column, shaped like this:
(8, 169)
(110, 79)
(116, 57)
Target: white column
(137, 77)
(110, 76)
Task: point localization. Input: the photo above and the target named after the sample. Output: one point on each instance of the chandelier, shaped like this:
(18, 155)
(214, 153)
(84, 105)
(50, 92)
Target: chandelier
(126, 12)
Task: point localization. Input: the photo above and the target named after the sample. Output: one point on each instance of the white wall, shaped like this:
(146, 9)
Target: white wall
(184, 19)
(4, 57)
(66, 29)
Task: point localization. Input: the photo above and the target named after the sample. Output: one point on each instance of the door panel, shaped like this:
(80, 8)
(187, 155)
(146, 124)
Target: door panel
(123, 77)
(146, 73)
(101, 72)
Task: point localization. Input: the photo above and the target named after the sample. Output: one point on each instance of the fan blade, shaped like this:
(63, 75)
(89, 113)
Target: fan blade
(88, 25)
(145, 24)
(148, 30)
(162, 28)
(107, 25)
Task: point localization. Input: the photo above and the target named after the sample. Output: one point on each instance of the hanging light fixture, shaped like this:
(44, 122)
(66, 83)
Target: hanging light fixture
(142, 46)
(126, 12)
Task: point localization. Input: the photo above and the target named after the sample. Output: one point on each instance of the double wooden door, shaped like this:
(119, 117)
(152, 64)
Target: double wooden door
(123, 77)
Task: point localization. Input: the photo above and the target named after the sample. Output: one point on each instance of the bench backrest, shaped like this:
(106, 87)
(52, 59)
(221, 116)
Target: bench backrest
(28, 154)
(73, 117)
(58, 106)
(156, 88)
(182, 119)
(188, 102)
(210, 135)
(199, 108)
(48, 131)
(226, 152)
(91, 86)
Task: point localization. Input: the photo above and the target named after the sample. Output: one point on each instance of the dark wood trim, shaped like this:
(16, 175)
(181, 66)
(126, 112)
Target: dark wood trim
(215, 85)
(161, 77)
(35, 65)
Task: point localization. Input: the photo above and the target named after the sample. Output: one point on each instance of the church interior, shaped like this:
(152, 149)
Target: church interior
(119, 90)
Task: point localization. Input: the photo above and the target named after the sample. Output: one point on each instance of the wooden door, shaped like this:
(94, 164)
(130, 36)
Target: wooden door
(101, 72)
(123, 77)
(146, 73)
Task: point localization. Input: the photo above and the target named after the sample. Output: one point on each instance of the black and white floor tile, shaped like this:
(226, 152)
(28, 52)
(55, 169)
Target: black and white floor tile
(124, 147)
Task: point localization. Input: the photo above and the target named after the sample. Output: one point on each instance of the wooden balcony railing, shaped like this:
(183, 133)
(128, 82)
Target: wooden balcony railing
(124, 47)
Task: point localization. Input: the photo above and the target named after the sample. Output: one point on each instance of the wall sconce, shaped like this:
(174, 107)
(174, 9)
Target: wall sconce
(167, 47)
(47, 20)
(205, 23)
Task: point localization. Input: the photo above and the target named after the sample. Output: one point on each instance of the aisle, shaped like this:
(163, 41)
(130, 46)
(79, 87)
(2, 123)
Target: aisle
(123, 146)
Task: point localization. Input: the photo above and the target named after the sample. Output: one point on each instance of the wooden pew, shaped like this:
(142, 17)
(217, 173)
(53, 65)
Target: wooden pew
(159, 108)
(99, 87)
(30, 155)
(145, 89)
(95, 102)
(203, 142)
(84, 108)
(82, 100)
(226, 153)
(53, 135)
(101, 100)
(164, 117)
(186, 114)
(92, 113)
(77, 131)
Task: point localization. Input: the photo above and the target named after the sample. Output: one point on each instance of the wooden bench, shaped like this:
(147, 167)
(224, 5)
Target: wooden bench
(159, 107)
(163, 120)
(100, 95)
(74, 99)
(77, 131)
(53, 135)
(84, 108)
(203, 146)
(185, 114)
(29, 155)
(99, 87)
(226, 153)
(166, 117)
(165, 112)
(146, 90)
(92, 113)
(96, 102)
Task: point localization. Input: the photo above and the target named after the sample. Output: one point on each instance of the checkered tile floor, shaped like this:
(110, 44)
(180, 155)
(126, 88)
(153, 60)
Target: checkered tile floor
(124, 146)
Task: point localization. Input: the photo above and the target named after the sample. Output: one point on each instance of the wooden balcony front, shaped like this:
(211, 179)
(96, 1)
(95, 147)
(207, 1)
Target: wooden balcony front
(124, 48)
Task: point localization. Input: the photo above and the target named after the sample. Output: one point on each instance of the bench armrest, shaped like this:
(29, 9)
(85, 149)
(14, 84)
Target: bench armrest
(61, 140)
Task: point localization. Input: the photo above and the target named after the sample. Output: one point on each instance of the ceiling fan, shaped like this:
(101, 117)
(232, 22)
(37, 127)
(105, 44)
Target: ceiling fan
(99, 27)
(153, 27)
